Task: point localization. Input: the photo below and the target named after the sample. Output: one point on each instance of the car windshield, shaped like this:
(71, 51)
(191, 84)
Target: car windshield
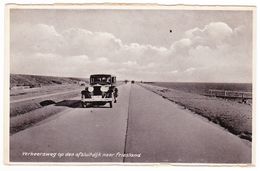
(100, 79)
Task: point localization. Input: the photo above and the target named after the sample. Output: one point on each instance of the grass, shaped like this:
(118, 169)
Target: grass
(38, 80)
(27, 113)
(23, 107)
(22, 122)
(235, 117)
(30, 118)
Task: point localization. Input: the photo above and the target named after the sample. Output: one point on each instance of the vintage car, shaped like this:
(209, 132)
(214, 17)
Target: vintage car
(102, 90)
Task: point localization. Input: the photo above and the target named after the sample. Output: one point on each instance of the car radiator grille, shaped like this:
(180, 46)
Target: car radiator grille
(97, 91)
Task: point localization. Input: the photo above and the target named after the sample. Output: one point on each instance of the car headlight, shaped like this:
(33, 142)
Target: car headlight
(90, 89)
(104, 89)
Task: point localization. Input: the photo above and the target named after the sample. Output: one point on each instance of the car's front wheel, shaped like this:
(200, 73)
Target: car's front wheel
(110, 104)
(84, 104)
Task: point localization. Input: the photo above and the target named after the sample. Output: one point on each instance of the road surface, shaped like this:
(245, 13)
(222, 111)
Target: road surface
(141, 127)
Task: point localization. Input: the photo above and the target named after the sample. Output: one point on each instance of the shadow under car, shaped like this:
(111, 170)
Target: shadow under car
(77, 104)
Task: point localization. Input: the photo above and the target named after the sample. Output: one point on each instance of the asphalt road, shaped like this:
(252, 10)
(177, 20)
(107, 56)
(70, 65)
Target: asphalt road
(142, 125)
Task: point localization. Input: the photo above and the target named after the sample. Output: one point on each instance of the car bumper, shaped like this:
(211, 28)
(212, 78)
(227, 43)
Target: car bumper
(97, 99)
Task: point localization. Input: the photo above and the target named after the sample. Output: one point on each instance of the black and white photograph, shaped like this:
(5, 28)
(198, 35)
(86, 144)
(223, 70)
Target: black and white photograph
(131, 84)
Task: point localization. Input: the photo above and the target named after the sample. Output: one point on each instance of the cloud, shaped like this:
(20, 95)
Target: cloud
(35, 38)
(130, 63)
(190, 70)
(214, 52)
(182, 46)
(95, 44)
(213, 34)
(174, 72)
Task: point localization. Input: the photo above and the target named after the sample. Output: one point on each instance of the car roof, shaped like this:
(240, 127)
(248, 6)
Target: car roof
(101, 75)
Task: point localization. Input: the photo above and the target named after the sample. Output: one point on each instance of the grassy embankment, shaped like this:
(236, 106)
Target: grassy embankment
(26, 113)
(39, 81)
(21, 122)
(233, 116)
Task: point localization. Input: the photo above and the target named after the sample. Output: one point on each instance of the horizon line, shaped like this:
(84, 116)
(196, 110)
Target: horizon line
(138, 80)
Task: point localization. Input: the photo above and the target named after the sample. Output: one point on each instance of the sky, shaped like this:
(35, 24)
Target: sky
(203, 46)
